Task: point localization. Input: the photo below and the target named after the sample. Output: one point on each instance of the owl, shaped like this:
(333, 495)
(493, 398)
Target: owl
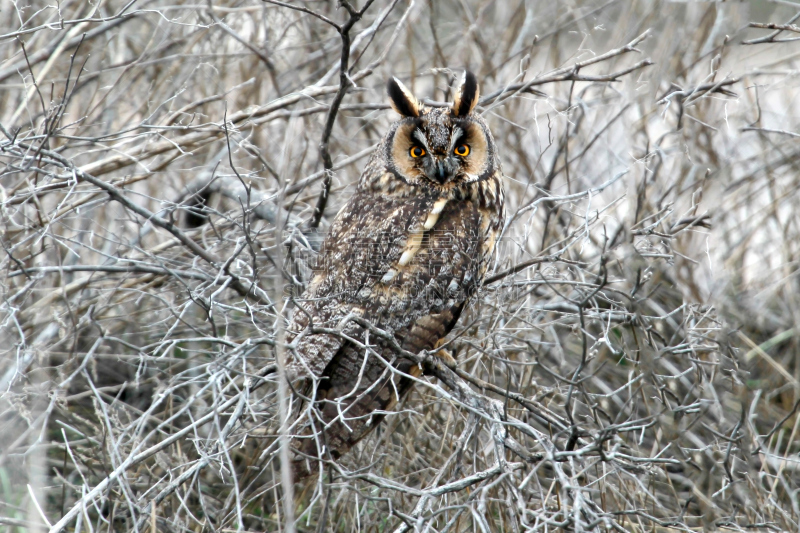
(405, 254)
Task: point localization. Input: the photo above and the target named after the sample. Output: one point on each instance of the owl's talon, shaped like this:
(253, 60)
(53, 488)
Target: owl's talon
(445, 358)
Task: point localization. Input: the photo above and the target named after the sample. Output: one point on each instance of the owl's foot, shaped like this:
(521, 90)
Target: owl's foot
(446, 359)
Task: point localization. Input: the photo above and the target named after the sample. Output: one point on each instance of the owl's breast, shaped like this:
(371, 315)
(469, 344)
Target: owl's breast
(396, 259)
(441, 262)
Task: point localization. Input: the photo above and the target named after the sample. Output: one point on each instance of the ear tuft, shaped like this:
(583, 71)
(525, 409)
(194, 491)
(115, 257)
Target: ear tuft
(401, 98)
(466, 97)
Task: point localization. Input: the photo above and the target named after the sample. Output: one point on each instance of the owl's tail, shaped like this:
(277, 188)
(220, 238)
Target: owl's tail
(351, 401)
(355, 395)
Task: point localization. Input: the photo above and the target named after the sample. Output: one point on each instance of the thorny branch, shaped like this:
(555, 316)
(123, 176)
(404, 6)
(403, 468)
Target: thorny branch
(771, 38)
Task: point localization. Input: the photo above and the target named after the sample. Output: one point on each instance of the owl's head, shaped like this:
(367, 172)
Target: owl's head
(439, 148)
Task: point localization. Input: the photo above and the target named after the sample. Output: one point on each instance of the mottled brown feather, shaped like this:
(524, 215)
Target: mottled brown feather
(445, 235)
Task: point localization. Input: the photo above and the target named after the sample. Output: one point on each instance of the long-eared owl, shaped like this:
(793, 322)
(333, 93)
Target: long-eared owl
(404, 254)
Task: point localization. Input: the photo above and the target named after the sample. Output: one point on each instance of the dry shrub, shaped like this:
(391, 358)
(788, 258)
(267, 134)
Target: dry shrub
(629, 365)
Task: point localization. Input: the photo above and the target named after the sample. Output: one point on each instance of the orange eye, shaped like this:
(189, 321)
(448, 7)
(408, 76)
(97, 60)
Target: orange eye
(417, 151)
(462, 150)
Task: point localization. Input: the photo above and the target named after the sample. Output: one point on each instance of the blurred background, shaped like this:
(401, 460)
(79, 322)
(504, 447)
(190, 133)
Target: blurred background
(159, 164)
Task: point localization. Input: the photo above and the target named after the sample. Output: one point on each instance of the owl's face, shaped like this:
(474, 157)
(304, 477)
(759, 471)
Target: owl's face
(439, 148)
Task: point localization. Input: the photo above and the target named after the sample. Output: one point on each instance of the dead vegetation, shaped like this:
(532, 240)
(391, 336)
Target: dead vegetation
(630, 364)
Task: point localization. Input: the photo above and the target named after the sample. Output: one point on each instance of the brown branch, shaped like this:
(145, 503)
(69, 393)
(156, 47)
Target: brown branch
(344, 85)
(518, 268)
(778, 29)
(773, 26)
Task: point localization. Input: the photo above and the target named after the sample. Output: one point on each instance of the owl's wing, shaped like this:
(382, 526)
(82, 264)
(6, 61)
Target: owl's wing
(392, 261)
(367, 236)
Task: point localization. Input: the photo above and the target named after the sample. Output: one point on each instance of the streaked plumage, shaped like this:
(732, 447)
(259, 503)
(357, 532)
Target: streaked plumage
(405, 253)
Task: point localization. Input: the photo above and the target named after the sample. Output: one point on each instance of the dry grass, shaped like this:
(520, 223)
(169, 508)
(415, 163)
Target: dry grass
(630, 365)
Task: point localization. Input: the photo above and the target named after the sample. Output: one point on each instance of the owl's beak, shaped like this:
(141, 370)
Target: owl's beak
(442, 171)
